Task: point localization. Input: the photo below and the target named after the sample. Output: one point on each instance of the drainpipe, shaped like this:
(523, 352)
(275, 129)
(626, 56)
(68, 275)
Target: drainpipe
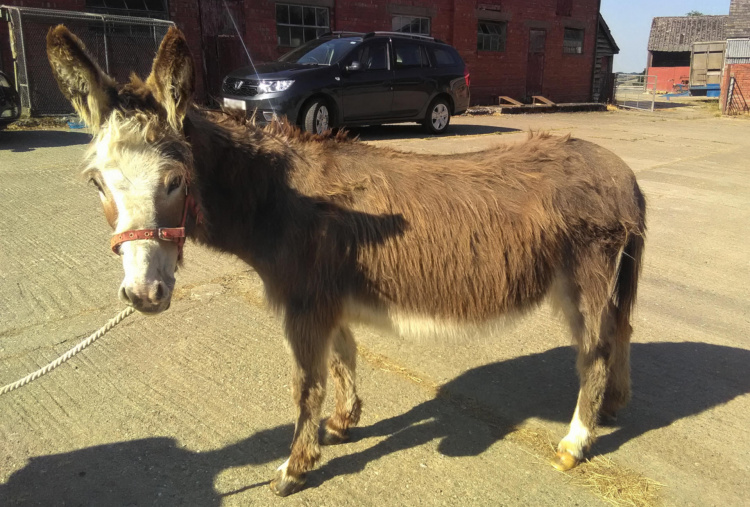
(596, 45)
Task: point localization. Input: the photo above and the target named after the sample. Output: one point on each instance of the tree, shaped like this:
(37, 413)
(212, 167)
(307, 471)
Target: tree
(695, 13)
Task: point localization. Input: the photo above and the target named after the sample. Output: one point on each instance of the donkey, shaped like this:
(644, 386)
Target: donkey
(343, 232)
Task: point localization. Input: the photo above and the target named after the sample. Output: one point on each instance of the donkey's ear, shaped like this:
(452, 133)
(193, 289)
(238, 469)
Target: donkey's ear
(92, 92)
(172, 79)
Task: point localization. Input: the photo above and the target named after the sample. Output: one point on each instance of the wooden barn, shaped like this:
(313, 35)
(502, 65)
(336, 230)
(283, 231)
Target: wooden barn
(670, 46)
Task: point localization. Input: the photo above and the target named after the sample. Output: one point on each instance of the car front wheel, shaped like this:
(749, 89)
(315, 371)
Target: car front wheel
(438, 117)
(317, 117)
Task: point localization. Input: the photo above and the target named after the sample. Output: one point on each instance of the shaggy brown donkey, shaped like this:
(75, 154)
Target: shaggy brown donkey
(343, 232)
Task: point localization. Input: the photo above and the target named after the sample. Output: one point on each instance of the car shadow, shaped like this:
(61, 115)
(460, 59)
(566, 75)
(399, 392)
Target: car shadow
(416, 131)
(671, 381)
(20, 141)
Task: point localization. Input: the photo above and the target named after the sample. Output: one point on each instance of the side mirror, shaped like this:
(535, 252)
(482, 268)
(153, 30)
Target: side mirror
(353, 67)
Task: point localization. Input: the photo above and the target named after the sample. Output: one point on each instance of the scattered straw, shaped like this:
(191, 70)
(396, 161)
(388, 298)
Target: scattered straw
(615, 484)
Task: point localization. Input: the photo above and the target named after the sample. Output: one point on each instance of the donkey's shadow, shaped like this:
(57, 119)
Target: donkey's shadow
(670, 381)
(470, 413)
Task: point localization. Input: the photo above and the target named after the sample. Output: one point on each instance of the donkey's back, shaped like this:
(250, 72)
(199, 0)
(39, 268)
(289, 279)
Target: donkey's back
(480, 234)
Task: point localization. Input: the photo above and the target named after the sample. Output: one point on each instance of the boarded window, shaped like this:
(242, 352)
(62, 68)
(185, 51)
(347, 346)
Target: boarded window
(491, 36)
(564, 7)
(573, 42)
(411, 24)
(297, 24)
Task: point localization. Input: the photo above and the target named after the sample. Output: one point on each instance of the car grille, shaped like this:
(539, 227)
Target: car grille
(248, 88)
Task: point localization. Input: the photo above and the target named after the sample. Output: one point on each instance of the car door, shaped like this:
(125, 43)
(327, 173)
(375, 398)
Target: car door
(413, 84)
(367, 93)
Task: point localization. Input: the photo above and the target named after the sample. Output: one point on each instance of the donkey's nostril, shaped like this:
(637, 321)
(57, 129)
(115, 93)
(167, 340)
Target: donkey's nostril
(124, 297)
(159, 291)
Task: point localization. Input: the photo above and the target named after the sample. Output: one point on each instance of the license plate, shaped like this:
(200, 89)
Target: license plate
(235, 104)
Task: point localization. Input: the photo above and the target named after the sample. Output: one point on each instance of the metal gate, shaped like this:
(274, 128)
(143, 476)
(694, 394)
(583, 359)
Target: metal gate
(635, 91)
(120, 44)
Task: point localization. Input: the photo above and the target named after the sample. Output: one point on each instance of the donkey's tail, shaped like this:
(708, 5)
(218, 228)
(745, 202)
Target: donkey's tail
(626, 285)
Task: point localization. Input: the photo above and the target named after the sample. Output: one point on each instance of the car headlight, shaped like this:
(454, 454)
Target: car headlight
(274, 86)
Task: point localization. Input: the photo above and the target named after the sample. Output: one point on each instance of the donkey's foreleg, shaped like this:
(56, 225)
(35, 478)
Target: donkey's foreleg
(310, 347)
(342, 365)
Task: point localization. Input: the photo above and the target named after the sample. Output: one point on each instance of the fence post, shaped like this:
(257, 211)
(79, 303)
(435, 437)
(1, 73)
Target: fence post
(106, 48)
(25, 104)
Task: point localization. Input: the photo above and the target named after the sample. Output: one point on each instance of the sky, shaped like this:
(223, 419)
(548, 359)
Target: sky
(630, 24)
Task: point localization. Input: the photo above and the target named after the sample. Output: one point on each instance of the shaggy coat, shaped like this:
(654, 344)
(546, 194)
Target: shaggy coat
(343, 232)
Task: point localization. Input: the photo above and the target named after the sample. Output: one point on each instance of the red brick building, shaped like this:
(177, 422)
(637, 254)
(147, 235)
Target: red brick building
(516, 48)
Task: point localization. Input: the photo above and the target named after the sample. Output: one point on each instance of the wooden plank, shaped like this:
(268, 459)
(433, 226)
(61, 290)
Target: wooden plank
(544, 100)
(503, 98)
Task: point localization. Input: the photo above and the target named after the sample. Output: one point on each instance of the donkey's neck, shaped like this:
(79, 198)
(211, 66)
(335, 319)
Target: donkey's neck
(240, 175)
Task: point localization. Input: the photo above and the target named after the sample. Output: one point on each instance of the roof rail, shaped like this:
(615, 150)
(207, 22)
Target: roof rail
(402, 34)
(342, 33)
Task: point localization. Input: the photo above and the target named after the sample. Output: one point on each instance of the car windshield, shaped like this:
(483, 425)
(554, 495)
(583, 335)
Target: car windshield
(321, 51)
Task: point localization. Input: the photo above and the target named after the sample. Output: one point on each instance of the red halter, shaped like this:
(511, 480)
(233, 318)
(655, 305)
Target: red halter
(176, 234)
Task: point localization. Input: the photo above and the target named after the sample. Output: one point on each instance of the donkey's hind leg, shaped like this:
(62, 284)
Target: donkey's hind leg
(585, 301)
(617, 394)
(342, 365)
(309, 341)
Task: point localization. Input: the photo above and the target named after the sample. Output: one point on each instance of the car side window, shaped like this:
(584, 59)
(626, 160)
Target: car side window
(444, 57)
(410, 55)
(373, 56)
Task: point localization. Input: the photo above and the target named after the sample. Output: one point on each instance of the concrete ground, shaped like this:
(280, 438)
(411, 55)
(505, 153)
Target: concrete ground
(193, 407)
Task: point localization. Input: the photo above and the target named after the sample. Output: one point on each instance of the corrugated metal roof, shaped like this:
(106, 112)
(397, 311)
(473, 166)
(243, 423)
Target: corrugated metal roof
(679, 33)
(738, 51)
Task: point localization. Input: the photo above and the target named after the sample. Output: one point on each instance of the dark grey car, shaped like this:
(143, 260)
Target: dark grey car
(349, 79)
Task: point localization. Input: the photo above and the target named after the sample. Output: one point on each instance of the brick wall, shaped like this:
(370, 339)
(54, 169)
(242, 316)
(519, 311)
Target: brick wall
(741, 99)
(186, 16)
(567, 78)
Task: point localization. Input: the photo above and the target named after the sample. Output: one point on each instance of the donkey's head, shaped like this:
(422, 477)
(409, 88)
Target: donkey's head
(139, 159)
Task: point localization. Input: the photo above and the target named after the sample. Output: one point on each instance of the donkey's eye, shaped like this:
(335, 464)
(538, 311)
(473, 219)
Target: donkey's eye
(174, 184)
(98, 185)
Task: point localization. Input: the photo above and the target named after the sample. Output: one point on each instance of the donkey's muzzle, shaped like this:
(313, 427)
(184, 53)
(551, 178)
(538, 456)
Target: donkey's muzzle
(153, 297)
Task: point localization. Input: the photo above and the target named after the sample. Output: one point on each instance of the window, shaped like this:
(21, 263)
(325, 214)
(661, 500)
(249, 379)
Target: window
(445, 57)
(411, 24)
(373, 56)
(410, 55)
(491, 36)
(297, 24)
(145, 8)
(564, 7)
(573, 41)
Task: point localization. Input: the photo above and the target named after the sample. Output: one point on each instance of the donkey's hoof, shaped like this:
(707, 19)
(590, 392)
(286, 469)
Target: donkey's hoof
(284, 484)
(564, 461)
(334, 437)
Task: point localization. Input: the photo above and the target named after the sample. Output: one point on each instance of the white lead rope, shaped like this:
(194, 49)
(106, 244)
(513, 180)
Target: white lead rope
(75, 350)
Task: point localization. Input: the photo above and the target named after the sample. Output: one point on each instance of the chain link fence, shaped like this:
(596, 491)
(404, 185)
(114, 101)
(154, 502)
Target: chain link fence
(120, 44)
(635, 91)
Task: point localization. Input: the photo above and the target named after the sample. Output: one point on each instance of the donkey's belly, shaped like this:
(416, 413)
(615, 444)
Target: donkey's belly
(421, 326)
